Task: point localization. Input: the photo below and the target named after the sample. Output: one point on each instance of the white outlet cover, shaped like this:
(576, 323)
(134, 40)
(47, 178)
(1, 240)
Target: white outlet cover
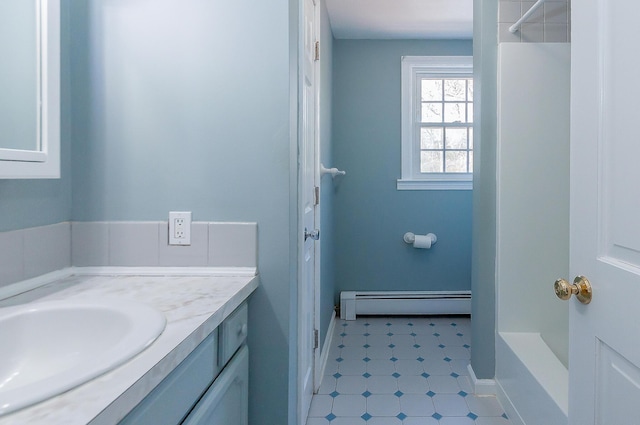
(180, 228)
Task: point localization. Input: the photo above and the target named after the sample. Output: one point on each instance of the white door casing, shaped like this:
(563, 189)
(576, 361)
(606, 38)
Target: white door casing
(604, 341)
(309, 176)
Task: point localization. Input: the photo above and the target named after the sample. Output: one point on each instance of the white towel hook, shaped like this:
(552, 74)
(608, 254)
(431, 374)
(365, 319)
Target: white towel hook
(333, 171)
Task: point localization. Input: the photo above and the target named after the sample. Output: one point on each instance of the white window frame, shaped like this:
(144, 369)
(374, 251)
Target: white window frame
(411, 68)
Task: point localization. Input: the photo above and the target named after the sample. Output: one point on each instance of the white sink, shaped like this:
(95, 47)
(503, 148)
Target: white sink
(47, 348)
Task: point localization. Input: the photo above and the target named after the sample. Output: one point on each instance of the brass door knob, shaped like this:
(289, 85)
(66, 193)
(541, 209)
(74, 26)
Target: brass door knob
(581, 288)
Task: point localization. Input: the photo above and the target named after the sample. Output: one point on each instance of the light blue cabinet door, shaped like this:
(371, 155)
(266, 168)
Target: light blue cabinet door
(226, 401)
(170, 401)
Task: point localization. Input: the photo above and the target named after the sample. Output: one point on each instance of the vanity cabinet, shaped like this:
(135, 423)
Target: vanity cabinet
(209, 387)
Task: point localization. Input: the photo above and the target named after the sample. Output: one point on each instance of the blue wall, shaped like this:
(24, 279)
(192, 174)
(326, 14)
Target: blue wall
(186, 106)
(483, 281)
(371, 216)
(30, 203)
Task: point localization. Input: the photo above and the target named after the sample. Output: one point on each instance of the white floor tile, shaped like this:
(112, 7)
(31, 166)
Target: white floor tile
(381, 340)
(457, 352)
(383, 405)
(327, 385)
(404, 352)
(417, 405)
(348, 421)
(413, 384)
(355, 340)
(380, 367)
(451, 340)
(420, 421)
(465, 384)
(352, 367)
(320, 405)
(446, 384)
(351, 384)
(457, 421)
(484, 406)
(380, 352)
(372, 389)
(358, 352)
(427, 339)
(450, 405)
(437, 367)
(492, 421)
(409, 367)
(385, 420)
(461, 367)
(317, 421)
(349, 405)
(382, 384)
(401, 340)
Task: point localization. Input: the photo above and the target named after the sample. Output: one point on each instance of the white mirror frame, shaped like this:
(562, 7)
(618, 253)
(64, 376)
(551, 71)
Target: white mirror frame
(43, 163)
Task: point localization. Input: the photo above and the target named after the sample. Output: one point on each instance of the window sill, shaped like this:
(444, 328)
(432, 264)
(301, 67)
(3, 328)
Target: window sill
(405, 184)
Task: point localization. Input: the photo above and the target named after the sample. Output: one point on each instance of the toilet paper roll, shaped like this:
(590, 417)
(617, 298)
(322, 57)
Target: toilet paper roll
(422, 242)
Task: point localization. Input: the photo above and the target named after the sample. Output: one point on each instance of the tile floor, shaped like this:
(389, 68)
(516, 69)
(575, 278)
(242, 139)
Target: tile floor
(401, 371)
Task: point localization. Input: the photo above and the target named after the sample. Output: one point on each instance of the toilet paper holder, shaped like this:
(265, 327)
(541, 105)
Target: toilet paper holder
(410, 238)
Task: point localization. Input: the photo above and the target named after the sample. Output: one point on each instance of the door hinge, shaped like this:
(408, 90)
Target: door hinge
(317, 55)
(316, 192)
(316, 339)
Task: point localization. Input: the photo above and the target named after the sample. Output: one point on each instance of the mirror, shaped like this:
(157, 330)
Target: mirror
(30, 89)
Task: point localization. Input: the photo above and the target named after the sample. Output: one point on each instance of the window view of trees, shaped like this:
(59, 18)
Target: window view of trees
(445, 125)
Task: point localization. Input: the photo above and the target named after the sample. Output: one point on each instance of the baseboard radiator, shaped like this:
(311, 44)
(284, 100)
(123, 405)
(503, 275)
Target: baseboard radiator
(413, 303)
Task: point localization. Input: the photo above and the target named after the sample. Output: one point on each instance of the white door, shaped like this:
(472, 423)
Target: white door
(307, 346)
(604, 353)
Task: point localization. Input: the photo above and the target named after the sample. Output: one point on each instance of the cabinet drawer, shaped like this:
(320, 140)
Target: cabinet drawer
(174, 397)
(233, 332)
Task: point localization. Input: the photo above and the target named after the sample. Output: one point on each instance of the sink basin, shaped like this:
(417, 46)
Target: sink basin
(47, 348)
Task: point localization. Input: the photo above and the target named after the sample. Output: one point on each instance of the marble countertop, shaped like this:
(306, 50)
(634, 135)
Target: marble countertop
(193, 305)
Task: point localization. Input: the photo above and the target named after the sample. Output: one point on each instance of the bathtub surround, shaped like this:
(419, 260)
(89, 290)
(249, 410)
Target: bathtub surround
(550, 23)
(533, 239)
(29, 253)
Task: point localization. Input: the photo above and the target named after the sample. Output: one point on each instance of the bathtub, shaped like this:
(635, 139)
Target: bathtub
(531, 382)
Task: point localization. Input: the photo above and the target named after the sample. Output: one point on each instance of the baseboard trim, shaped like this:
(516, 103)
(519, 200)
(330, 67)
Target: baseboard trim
(324, 354)
(481, 386)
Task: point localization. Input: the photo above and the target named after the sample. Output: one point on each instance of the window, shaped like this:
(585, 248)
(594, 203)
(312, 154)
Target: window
(437, 122)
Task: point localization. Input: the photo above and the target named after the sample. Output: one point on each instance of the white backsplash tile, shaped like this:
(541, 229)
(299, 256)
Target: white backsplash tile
(11, 257)
(194, 255)
(133, 244)
(89, 243)
(233, 244)
(28, 253)
(46, 249)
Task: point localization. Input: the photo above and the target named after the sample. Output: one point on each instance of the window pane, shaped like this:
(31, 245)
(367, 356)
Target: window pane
(431, 138)
(470, 137)
(470, 90)
(455, 112)
(455, 90)
(431, 162)
(456, 138)
(431, 89)
(470, 112)
(431, 112)
(456, 161)
(471, 162)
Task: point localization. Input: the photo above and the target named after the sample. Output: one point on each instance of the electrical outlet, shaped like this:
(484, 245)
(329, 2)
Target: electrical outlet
(180, 228)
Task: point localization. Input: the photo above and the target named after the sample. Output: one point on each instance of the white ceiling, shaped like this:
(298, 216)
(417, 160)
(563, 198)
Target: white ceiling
(408, 19)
